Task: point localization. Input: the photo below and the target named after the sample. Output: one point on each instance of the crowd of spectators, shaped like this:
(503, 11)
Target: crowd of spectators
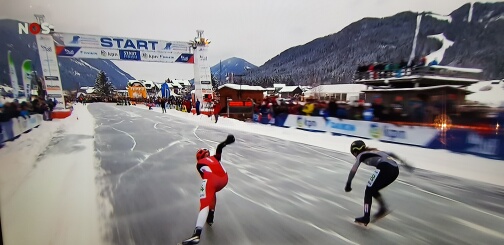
(419, 110)
(378, 70)
(24, 109)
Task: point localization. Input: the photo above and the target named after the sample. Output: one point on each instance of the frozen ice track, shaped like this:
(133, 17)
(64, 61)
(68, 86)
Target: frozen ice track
(277, 193)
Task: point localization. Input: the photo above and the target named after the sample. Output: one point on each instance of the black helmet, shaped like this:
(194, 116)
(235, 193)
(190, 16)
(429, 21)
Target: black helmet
(357, 147)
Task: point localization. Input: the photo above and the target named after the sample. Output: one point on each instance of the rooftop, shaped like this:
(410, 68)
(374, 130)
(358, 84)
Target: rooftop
(288, 89)
(418, 89)
(242, 87)
(338, 88)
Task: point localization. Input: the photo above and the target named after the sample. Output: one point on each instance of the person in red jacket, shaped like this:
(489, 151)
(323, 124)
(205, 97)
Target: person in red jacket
(216, 110)
(214, 178)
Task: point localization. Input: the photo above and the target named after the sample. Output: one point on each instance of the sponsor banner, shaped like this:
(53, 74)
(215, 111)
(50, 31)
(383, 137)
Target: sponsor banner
(47, 52)
(116, 54)
(137, 92)
(109, 42)
(202, 74)
(129, 55)
(346, 127)
(420, 136)
(413, 135)
(185, 58)
(306, 122)
(67, 51)
(166, 57)
(109, 54)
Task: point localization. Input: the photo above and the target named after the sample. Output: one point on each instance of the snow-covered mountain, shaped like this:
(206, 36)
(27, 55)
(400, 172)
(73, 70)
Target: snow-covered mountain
(234, 65)
(74, 72)
(471, 36)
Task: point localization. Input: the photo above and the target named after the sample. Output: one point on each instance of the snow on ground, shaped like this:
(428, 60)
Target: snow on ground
(439, 54)
(441, 161)
(492, 94)
(47, 184)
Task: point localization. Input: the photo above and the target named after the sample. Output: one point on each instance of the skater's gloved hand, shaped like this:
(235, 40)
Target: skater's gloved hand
(348, 188)
(230, 139)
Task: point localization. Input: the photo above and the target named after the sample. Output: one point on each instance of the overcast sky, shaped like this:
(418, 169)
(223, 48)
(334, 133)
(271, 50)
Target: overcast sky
(255, 30)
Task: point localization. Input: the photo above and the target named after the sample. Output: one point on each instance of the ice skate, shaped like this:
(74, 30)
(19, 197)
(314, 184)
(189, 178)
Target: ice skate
(194, 239)
(362, 220)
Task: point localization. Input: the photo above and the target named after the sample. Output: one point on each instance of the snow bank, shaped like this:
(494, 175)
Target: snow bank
(439, 54)
(441, 161)
(52, 198)
(493, 97)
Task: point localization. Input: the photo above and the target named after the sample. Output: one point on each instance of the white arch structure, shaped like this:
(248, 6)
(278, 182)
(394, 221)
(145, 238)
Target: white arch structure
(68, 45)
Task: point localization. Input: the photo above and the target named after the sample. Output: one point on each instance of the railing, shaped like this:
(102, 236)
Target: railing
(13, 128)
(480, 141)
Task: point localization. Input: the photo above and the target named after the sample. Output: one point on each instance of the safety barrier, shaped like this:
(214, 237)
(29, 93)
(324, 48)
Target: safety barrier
(13, 128)
(488, 144)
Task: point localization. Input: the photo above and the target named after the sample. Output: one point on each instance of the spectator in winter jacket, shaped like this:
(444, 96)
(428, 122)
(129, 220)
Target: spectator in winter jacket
(24, 110)
(216, 110)
(342, 112)
(198, 104)
(308, 109)
(368, 114)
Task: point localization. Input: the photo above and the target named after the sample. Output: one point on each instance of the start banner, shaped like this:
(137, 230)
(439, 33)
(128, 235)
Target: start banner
(122, 48)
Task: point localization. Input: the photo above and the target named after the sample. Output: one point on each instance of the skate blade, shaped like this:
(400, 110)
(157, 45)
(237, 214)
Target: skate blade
(362, 225)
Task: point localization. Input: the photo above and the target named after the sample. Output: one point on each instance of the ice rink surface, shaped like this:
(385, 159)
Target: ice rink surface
(279, 192)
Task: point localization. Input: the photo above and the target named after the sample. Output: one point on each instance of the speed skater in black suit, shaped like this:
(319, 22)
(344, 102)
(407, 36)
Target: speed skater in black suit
(386, 172)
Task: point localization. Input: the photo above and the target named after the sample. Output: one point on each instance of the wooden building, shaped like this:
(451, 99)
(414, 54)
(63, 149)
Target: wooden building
(238, 93)
(290, 91)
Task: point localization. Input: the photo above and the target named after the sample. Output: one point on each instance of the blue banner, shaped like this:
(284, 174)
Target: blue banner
(129, 54)
(489, 145)
(185, 58)
(165, 90)
(67, 51)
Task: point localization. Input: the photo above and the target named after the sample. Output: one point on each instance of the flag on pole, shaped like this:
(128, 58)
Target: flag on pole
(26, 70)
(13, 76)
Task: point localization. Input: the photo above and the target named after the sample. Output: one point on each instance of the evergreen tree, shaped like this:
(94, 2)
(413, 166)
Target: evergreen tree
(103, 87)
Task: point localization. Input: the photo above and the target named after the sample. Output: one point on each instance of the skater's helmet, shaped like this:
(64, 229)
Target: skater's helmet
(357, 147)
(202, 153)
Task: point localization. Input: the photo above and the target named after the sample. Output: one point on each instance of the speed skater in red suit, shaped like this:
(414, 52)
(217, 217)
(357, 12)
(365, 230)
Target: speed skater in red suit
(214, 178)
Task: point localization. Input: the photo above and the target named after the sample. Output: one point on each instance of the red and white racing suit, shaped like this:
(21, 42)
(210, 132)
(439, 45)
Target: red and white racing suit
(214, 177)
